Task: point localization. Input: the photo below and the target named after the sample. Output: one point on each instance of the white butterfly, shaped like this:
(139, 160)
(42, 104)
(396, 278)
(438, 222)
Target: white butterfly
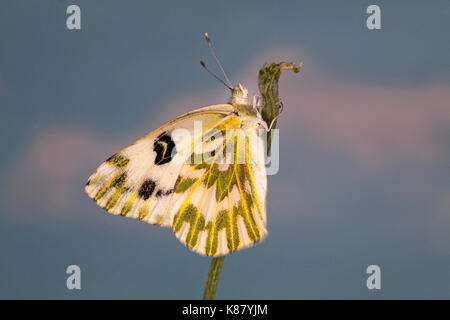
(214, 207)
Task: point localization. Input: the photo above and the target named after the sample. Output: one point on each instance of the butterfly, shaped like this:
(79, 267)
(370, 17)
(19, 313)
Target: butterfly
(208, 184)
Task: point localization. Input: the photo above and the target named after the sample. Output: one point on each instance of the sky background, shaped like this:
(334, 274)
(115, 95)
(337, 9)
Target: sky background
(364, 153)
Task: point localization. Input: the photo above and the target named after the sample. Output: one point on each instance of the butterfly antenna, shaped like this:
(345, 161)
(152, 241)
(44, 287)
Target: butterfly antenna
(211, 73)
(208, 39)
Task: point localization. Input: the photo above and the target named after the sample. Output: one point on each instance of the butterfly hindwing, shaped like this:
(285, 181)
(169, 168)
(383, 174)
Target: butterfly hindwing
(223, 202)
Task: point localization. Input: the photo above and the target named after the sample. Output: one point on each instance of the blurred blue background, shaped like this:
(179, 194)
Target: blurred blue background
(364, 152)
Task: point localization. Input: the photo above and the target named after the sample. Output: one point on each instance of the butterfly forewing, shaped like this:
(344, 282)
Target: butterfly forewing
(138, 180)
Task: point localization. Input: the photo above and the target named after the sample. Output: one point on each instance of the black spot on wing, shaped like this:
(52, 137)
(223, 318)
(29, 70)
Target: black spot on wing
(164, 148)
(147, 189)
(161, 193)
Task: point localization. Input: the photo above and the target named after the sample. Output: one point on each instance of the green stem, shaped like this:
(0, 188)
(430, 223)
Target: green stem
(213, 278)
(268, 78)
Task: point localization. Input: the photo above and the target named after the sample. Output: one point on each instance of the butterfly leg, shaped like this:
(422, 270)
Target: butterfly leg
(279, 114)
(257, 105)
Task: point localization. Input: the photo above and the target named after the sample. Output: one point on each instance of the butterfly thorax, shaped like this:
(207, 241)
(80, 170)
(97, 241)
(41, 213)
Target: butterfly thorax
(250, 115)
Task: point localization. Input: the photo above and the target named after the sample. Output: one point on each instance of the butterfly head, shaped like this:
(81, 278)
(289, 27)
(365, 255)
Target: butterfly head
(239, 95)
(250, 115)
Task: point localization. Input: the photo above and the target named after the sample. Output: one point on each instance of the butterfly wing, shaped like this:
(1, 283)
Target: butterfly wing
(139, 181)
(215, 203)
(220, 204)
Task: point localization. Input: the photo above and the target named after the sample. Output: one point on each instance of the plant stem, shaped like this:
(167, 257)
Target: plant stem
(213, 278)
